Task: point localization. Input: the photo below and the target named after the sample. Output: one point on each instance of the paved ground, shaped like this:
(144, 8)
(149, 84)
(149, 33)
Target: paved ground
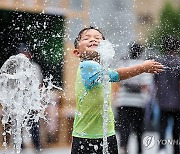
(132, 148)
(45, 151)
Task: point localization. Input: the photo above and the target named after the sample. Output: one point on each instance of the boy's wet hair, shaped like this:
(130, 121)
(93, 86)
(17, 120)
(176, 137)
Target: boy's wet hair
(80, 35)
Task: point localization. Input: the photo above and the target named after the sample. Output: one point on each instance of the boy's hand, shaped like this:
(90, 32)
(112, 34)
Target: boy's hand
(151, 66)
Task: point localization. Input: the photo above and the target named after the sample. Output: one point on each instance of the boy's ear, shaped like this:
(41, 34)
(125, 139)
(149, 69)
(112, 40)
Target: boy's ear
(76, 52)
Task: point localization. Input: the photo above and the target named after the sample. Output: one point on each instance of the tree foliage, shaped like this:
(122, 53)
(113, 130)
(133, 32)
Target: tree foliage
(169, 24)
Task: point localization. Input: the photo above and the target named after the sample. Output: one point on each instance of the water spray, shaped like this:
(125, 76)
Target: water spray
(106, 51)
(20, 94)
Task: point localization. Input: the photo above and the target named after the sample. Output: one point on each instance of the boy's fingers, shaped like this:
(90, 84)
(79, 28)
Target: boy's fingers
(159, 66)
(156, 63)
(160, 70)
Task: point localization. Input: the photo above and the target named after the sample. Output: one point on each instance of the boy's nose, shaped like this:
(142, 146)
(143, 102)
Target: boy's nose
(93, 40)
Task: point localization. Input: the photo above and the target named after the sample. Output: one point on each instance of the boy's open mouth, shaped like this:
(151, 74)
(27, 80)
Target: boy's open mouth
(92, 45)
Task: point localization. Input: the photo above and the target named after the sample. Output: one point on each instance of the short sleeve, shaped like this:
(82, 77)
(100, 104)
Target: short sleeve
(91, 73)
(114, 76)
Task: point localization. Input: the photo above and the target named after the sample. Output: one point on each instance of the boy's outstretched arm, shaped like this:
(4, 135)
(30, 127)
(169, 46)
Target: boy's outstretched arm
(149, 66)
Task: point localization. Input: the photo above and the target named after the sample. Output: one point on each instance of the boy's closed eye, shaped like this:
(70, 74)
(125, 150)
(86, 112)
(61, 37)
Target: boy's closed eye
(98, 38)
(86, 38)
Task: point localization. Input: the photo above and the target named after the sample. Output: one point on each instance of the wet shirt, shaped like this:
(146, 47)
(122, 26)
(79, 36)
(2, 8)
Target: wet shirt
(89, 92)
(168, 86)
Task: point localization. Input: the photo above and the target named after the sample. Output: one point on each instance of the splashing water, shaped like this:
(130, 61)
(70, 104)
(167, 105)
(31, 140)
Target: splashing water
(171, 68)
(21, 97)
(106, 51)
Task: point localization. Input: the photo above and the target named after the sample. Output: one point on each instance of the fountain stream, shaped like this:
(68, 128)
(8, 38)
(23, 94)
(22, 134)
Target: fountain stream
(21, 97)
(106, 51)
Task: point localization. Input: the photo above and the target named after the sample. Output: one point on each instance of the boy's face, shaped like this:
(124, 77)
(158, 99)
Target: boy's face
(87, 45)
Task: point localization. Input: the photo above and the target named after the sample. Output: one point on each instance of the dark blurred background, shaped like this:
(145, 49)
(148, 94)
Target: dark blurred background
(43, 34)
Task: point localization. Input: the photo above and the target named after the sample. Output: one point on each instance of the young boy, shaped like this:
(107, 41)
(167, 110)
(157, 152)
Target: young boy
(88, 124)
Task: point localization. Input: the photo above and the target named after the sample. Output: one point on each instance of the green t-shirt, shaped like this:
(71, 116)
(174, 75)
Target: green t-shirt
(88, 121)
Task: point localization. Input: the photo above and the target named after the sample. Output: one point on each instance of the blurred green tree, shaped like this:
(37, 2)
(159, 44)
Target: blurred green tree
(169, 24)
